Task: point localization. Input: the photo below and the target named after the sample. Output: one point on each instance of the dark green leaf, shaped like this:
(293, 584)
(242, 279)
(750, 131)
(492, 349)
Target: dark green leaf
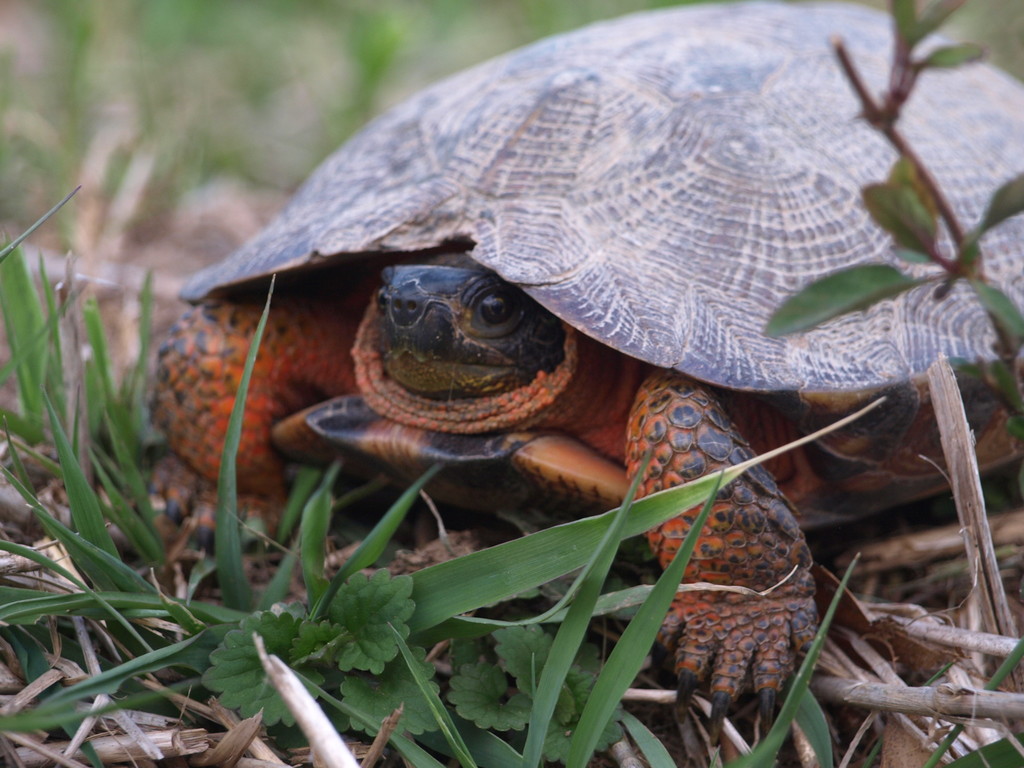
(933, 17)
(478, 692)
(1001, 309)
(394, 686)
(837, 294)
(1007, 201)
(366, 607)
(903, 213)
(237, 673)
(952, 56)
(904, 13)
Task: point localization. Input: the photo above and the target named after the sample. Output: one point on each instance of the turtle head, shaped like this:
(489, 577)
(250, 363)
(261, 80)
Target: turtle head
(457, 332)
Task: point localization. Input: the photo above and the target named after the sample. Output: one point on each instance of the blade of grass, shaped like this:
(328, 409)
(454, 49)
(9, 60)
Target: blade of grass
(85, 506)
(27, 606)
(306, 481)
(373, 545)
(316, 519)
(9, 248)
(570, 634)
(629, 652)
(140, 532)
(495, 574)
(440, 713)
(278, 588)
(227, 535)
(650, 745)
(26, 329)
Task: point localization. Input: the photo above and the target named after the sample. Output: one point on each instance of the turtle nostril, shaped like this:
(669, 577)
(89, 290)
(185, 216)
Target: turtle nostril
(404, 311)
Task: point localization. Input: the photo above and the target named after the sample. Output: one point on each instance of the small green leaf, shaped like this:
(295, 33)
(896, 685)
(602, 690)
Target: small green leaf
(236, 671)
(524, 651)
(846, 291)
(1007, 201)
(394, 687)
(903, 213)
(952, 56)
(365, 607)
(1001, 309)
(933, 17)
(904, 13)
(477, 692)
(317, 643)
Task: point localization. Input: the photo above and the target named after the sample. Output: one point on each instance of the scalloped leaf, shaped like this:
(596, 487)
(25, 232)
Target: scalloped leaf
(478, 692)
(848, 290)
(237, 674)
(395, 686)
(524, 651)
(365, 607)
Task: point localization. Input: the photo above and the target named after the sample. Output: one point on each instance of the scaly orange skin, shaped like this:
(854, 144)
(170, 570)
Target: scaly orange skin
(751, 540)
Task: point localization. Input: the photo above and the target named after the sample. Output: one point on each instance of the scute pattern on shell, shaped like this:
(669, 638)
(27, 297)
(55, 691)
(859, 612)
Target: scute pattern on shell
(664, 180)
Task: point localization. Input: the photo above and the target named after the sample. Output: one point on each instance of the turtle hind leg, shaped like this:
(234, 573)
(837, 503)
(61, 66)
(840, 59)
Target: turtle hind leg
(725, 639)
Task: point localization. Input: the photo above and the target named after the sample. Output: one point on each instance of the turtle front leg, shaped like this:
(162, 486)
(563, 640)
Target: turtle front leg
(751, 540)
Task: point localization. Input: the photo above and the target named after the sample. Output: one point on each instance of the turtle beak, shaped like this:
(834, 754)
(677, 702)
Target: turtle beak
(418, 319)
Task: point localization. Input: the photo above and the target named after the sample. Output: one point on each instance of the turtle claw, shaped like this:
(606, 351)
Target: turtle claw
(688, 684)
(766, 707)
(720, 703)
(731, 640)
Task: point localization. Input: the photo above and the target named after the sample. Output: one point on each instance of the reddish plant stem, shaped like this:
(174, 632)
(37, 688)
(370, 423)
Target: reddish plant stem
(884, 120)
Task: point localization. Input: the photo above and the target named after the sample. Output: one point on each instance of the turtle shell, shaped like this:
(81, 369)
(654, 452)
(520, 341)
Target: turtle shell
(663, 181)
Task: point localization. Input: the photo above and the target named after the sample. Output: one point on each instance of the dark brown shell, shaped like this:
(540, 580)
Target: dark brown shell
(663, 181)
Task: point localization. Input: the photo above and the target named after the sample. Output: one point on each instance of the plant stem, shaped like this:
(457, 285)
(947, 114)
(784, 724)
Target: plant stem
(884, 120)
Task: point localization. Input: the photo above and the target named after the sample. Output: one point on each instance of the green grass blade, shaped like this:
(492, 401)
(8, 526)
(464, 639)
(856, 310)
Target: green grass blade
(373, 545)
(227, 535)
(9, 248)
(138, 528)
(649, 744)
(316, 519)
(278, 588)
(440, 713)
(27, 606)
(85, 506)
(570, 635)
(498, 573)
(26, 328)
(306, 481)
(811, 719)
(629, 652)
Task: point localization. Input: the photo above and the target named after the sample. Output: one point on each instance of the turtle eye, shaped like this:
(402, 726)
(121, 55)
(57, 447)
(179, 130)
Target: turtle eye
(496, 312)
(495, 309)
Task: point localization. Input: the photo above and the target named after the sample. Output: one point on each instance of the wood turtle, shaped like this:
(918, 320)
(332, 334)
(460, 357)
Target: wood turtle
(581, 243)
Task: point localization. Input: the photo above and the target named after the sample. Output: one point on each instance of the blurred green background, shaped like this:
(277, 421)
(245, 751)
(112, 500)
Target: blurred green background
(170, 95)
